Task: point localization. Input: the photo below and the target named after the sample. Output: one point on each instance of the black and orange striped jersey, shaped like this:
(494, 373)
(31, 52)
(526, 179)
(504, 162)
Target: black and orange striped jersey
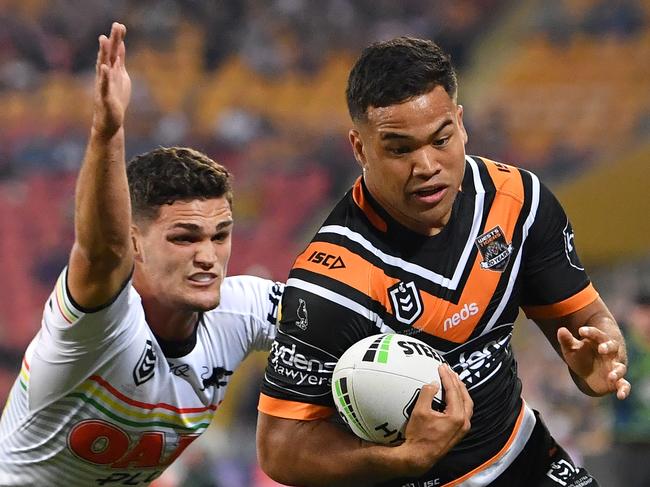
(508, 244)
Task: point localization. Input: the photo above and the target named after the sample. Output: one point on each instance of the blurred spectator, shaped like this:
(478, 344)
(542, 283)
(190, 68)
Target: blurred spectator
(622, 18)
(631, 423)
(266, 99)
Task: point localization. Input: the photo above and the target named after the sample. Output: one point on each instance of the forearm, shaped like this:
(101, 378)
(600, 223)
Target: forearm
(102, 204)
(317, 453)
(590, 342)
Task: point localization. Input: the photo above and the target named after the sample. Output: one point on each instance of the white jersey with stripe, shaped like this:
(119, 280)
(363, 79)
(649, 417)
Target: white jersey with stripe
(97, 402)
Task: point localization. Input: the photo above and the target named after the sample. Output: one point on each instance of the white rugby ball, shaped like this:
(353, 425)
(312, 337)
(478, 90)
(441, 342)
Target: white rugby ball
(377, 381)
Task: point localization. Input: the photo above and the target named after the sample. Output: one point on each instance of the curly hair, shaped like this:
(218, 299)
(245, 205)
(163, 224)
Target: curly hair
(168, 174)
(394, 71)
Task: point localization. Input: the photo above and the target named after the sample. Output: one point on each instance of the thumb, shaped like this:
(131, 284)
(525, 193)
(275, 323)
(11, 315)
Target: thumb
(566, 339)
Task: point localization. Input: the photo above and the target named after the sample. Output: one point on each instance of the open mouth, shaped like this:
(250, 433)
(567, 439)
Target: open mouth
(431, 195)
(203, 278)
(429, 192)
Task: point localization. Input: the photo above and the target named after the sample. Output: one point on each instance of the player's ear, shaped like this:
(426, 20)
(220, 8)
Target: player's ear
(459, 115)
(357, 147)
(135, 241)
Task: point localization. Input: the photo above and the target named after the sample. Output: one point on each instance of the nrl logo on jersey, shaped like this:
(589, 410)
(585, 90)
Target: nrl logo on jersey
(495, 249)
(406, 302)
(146, 366)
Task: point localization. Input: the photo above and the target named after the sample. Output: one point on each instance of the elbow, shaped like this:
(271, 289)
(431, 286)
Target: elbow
(269, 458)
(273, 443)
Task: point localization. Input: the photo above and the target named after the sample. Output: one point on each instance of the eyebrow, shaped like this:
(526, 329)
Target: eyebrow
(192, 227)
(398, 136)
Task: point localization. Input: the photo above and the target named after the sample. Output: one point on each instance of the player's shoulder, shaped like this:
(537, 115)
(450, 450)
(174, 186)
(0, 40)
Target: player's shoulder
(504, 177)
(247, 294)
(235, 286)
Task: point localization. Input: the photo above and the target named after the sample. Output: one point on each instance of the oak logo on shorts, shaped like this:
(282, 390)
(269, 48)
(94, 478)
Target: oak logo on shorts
(146, 366)
(406, 302)
(495, 249)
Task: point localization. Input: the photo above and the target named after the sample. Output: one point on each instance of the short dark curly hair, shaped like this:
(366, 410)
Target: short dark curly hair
(168, 174)
(394, 71)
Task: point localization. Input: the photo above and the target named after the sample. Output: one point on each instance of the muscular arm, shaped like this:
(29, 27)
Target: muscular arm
(318, 453)
(590, 342)
(102, 256)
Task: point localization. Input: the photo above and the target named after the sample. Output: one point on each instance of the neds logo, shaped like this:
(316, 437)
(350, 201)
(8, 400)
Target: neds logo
(466, 311)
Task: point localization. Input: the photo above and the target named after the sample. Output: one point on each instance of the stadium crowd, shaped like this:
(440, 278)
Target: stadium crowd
(258, 85)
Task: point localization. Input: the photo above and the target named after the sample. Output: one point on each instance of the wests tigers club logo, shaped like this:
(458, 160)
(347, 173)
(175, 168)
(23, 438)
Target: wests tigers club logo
(495, 249)
(406, 302)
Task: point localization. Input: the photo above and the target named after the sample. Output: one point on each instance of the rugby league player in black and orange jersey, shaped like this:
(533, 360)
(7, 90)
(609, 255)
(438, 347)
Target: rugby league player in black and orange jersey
(445, 247)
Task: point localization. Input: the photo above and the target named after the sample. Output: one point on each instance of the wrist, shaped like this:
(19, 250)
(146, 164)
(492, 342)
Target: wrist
(407, 460)
(105, 134)
(582, 385)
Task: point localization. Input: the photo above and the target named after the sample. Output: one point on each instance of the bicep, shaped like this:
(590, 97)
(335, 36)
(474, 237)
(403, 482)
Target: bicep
(552, 270)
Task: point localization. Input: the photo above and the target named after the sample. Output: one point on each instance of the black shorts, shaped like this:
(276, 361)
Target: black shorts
(544, 463)
(541, 463)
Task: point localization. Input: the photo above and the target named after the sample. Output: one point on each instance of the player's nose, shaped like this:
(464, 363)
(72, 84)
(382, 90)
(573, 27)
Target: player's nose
(425, 163)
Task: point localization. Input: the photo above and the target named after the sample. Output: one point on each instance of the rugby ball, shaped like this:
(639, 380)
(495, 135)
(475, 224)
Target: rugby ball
(377, 381)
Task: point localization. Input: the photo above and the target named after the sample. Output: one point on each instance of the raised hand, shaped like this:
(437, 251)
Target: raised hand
(595, 358)
(112, 83)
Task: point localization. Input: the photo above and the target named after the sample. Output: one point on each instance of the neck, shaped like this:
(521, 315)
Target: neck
(167, 321)
(170, 324)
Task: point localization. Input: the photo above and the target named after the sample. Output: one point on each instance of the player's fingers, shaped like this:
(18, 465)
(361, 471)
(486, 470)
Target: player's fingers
(117, 35)
(623, 389)
(121, 55)
(427, 394)
(468, 404)
(618, 372)
(567, 340)
(121, 48)
(593, 333)
(608, 347)
(459, 404)
(102, 52)
(451, 385)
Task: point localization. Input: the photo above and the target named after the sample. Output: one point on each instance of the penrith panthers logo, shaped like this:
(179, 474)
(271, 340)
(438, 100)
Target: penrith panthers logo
(216, 378)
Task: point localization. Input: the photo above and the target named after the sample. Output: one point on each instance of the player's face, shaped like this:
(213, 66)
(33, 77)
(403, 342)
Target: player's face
(182, 256)
(413, 158)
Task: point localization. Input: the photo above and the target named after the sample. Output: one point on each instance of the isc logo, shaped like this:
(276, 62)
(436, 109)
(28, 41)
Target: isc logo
(328, 260)
(466, 311)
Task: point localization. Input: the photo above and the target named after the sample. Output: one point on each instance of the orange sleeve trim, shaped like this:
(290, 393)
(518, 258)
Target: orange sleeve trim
(570, 305)
(496, 457)
(292, 409)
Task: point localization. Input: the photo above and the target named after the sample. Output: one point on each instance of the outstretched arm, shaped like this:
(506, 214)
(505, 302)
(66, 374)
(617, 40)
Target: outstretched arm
(102, 255)
(318, 453)
(591, 344)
